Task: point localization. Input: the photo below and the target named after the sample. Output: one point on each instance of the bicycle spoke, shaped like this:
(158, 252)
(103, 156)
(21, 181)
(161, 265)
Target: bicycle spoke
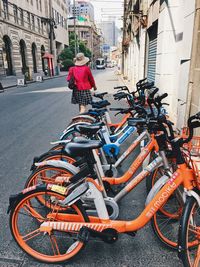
(31, 235)
(54, 245)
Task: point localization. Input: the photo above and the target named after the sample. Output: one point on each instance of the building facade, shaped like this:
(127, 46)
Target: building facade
(25, 32)
(157, 44)
(83, 9)
(109, 32)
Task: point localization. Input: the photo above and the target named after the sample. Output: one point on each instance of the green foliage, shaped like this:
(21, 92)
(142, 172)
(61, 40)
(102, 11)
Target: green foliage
(66, 64)
(68, 54)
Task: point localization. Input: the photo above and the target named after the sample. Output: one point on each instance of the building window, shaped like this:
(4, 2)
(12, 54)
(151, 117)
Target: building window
(37, 4)
(33, 22)
(38, 22)
(5, 10)
(15, 13)
(58, 18)
(21, 12)
(42, 28)
(28, 19)
(40, 5)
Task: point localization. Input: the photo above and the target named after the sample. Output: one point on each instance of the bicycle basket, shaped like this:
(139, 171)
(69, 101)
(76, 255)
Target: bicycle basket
(194, 145)
(193, 162)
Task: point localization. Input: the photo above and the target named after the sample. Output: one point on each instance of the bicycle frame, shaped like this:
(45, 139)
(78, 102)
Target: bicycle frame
(125, 132)
(144, 135)
(120, 124)
(183, 175)
(150, 146)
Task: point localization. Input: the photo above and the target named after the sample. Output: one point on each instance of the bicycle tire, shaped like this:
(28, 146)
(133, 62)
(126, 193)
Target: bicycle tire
(165, 223)
(34, 243)
(69, 135)
(56, 147)
(187, 233)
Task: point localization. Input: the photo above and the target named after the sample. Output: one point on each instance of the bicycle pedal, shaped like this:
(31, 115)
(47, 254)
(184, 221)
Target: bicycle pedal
(84, 234)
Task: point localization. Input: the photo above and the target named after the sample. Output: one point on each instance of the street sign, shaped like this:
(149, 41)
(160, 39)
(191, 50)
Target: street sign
(39, 79)
(20, 82)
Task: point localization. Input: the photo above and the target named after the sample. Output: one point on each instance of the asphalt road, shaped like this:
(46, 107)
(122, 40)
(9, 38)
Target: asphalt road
(31, 117)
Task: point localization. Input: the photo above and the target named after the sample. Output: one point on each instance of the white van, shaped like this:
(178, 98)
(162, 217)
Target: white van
(100, 63)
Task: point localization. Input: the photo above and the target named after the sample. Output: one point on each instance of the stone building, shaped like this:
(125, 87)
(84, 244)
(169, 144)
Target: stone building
(24, 34)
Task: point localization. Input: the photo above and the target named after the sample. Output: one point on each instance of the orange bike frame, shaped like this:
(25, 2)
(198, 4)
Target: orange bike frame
(68, 222)
(152, 145)
(120, 124)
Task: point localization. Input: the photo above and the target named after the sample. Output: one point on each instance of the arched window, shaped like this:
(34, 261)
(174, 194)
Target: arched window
(8, 52)
(34, 50)
(42, 54)
(22, 45)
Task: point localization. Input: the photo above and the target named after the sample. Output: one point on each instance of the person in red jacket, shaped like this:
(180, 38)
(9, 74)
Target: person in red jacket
(84, 82)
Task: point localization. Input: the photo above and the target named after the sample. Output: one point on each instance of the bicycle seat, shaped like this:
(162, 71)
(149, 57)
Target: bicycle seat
(97, 112)
(88, 130)
(101, 95)
(100, 104)
(81, 146)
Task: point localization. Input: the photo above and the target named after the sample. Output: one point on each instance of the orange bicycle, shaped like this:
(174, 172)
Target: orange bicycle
(64, 216)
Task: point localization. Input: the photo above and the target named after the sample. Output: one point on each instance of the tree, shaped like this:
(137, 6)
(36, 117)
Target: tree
(68, 54)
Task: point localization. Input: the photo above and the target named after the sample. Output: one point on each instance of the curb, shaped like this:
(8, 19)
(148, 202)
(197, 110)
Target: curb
(30, 82)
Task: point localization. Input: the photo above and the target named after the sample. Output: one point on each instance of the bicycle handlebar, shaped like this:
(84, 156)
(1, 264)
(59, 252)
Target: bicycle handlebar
(151, 95)
(159, 98)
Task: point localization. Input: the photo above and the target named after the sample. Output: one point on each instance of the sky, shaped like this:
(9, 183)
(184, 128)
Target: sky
(103, 9)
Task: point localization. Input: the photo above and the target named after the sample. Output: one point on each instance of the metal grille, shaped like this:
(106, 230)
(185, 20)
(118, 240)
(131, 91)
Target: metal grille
(152, 51)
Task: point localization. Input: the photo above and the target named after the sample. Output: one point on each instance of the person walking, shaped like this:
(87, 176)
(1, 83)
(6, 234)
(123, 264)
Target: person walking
(83, 80)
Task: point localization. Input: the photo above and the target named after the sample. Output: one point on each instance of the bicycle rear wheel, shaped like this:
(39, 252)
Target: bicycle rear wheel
(46, 175)
(189, 234)
(51, 246)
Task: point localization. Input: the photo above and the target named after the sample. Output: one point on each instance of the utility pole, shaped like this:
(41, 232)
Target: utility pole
(52, 25)
(75, 39)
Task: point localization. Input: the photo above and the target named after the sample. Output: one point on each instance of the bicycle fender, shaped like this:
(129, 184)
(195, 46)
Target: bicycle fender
(71, 127)
(59, 163)
(84, 117)
(194, 195)
(156, 188)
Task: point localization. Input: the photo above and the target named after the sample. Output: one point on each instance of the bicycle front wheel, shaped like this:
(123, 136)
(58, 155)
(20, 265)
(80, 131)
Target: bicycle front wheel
(51, 246)
(165, 221)
(189, 234)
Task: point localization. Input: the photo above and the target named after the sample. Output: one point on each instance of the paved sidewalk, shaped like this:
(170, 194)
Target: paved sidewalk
(11, 81)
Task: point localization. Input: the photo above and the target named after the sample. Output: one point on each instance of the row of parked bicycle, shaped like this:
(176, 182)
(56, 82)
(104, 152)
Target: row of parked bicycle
(73, 191)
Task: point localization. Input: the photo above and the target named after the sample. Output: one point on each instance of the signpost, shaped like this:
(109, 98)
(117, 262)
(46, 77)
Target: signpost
(39, 79)
(21, 82)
